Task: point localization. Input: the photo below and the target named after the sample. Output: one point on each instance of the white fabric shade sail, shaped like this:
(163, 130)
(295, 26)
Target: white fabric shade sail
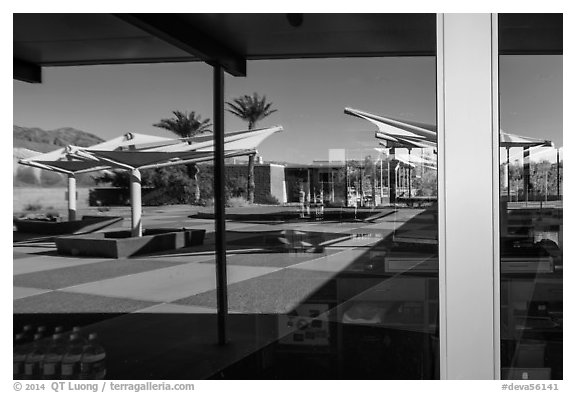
(134, 151)
(511, 140)
(61, 161)
(139, 151)
(394, 133)
(158, 152)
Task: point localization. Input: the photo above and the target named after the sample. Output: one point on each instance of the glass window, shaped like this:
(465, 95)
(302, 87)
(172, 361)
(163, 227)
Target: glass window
(331, 211)
(342, 237)
(531, 216)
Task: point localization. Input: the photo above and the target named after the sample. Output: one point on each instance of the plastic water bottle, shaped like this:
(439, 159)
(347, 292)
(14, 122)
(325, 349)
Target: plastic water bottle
(71, 360)
(52, 365)
(34, 358)
(93, 363)
(76, 330)
(19, 356)
(28, 333)
(41, 330)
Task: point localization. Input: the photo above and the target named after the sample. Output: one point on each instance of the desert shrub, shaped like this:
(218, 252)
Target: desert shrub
(52, 214)
(206, 202)
(33, 207)
(235, 186)
(269, 199)
(121, 179)
(171, 185)
(237, 202)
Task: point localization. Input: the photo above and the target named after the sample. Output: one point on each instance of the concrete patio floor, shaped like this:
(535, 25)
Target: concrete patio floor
(263, 283)
(41, 275)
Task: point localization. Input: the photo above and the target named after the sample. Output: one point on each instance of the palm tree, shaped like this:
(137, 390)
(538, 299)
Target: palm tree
(186, 125)
(251, 109)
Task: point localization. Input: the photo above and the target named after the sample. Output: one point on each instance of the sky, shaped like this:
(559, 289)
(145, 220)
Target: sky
(310, 96)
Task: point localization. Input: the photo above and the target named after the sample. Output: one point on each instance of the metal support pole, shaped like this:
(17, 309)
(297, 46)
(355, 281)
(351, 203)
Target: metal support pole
(388, 173)
(409, 179)
(558, 173)
(332, 196)
(396, 180)
(308, 196)
(136, 202)
(381, 178)
(508, 171)
(526, 164)
(71, 197)
(346, 180)
(392, 176)
(219, 207)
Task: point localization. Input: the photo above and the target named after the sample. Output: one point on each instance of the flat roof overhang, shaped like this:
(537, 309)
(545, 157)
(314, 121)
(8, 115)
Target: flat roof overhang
(52, 40)
(229, 40)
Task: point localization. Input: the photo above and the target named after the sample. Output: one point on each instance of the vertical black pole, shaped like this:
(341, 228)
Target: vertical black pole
(558, 173)
(508, 171)
(409, 179)
(346, 180)
(526, 163)
(392, 176)
(221, 282)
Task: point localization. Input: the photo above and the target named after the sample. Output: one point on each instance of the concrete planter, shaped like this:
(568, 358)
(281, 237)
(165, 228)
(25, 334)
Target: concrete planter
(85, 225)
(120, 244)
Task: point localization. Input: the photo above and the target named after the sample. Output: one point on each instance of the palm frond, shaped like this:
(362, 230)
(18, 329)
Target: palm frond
(185, 124)
(250, 108)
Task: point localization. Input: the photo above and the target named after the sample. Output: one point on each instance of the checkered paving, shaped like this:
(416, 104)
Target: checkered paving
(260, 279)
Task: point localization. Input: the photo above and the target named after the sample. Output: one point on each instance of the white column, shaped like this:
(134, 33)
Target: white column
(136, 202)
(71, 197)
(468, 199)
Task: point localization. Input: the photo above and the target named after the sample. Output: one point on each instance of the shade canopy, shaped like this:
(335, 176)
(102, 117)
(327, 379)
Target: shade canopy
(511, 140)
(149, 153)
(393, 133)
(140, 151)
(399, 133)
(62, 161)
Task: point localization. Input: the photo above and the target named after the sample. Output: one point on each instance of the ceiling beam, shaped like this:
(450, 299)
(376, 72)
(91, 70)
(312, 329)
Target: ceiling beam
(177, 32)
(26, 72)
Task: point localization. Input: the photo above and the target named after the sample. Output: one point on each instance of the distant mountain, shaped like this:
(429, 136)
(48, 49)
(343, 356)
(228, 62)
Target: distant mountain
(28, 142)
(39, 139)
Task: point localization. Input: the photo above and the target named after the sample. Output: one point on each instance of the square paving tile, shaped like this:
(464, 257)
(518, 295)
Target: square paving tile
(20, 292)
(185, 256)
(75, 275)
(274, 259)
(168, 284)
(277, 292)
(35, 263)
(332, 263)
(168, 308)
(65, 302)
(33, 249)
(357, 241)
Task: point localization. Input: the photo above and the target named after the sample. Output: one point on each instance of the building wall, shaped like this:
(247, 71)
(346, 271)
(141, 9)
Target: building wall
(278, 183)
(269, 179)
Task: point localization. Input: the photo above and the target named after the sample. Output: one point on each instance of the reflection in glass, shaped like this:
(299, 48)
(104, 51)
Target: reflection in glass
(342, 238)
(531, 217)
